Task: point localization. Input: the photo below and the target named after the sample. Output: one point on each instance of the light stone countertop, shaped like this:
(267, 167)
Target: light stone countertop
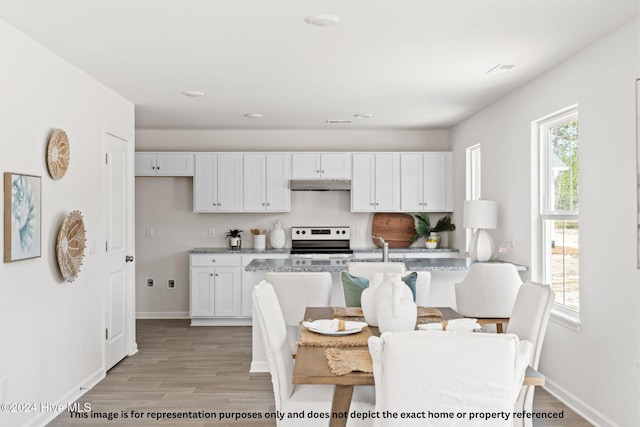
(227, 250)
(428, 264)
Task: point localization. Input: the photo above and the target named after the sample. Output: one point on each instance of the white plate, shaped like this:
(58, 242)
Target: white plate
(335, 333)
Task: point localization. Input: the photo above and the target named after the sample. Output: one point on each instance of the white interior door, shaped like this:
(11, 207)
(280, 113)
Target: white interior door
(118, 271)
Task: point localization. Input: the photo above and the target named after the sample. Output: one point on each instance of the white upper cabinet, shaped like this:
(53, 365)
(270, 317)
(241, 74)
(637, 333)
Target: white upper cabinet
(217, 184)
(321, 165)
(266, 182)
(164, 164)
(375, 182)
(426, 182)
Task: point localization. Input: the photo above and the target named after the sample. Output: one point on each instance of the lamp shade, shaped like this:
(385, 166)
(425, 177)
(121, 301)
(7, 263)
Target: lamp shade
(480, 214)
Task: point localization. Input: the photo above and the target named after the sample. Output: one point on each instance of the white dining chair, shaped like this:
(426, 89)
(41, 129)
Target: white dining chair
(445, 372)
(487, 292)
(529, 321)
(297, 398)
(366, 270)
(295, 292)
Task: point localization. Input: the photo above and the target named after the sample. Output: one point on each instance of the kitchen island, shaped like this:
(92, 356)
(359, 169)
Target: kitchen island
(445, 272)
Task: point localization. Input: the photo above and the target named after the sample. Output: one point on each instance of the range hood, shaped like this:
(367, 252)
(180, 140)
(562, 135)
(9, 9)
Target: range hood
(320, 185)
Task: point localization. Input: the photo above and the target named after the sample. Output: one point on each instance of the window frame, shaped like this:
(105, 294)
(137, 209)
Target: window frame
(543, 209)
(473, 181)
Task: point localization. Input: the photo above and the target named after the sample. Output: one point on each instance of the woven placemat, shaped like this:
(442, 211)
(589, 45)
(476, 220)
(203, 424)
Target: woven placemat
(313, 339)
(347, 312)
(342, 362)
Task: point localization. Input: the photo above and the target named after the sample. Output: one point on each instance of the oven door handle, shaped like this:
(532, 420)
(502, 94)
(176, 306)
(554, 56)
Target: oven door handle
(341, 256)
(301, 256)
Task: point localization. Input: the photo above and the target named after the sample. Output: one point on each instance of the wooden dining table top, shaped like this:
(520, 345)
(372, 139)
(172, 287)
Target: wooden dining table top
(311, 365)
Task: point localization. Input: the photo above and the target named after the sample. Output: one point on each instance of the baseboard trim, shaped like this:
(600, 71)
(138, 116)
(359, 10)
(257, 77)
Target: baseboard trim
(586, 411)
(74, 394)
(259, 367)
(162, 315)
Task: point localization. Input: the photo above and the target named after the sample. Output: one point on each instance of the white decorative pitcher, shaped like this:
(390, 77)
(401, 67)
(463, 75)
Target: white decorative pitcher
(395, 309)
(368, 299)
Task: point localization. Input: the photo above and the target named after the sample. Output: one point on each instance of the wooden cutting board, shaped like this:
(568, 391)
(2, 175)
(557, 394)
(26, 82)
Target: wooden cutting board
(397, 229)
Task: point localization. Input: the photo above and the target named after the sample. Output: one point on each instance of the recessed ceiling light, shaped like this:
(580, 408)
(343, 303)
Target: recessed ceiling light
(254, 115)
(322, 20)
(193, 93)
(362, 116)
(500, 68)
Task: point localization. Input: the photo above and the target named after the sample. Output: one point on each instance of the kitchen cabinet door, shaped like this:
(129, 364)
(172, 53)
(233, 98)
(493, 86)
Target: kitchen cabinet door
(278, 174)
(387, 182)
(229, 180)
(335, 165)
(412, 182)
(145, 164)
(255, 171)
(437, 179)
(164, 164)
(363, 183)
(227, 287)
(201, 286)
(205, 183)
(266, 182)
(305, 165)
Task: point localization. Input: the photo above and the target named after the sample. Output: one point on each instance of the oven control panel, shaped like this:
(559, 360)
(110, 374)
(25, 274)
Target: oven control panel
(320, 233)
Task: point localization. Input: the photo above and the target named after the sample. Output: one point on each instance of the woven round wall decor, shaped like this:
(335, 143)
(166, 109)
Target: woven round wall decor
(70, 246)
(58, 154)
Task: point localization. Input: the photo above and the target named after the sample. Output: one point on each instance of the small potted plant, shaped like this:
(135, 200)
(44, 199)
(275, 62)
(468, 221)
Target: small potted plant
(432, 234)
(234, 238)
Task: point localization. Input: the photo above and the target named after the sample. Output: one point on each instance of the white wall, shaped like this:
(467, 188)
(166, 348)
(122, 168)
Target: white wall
(166, 204)
(51, 332)
(595, 369)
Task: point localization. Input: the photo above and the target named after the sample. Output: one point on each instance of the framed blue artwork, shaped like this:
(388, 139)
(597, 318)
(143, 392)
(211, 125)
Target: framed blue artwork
(22, 216)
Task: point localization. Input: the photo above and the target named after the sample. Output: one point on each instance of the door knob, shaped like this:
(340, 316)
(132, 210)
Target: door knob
(128, 258)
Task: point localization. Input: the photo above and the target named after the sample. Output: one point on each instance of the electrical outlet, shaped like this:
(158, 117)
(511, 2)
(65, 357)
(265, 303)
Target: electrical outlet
(148, 233)
(150, 282)
(171, 284)
(359, 232)
(212, 233)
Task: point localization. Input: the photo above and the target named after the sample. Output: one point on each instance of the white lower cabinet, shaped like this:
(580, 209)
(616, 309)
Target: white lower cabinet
(215, 286)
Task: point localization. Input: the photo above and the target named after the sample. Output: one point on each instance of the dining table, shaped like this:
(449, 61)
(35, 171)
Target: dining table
(311, 366)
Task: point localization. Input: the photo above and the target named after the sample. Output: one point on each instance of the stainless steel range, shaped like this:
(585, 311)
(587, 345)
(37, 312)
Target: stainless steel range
(321, 245)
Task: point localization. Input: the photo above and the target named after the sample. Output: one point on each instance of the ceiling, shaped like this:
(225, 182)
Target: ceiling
(410, 64)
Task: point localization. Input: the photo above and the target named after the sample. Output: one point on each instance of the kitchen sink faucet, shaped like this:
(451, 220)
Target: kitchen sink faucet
(385, 249)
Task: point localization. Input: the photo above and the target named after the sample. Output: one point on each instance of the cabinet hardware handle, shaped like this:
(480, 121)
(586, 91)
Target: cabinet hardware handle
(217, 274)
(322, 171)
(268, 204)
(128, 258)
(211, 274)
(213, 260)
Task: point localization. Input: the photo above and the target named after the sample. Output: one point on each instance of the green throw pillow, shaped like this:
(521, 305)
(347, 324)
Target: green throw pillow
(354, 285)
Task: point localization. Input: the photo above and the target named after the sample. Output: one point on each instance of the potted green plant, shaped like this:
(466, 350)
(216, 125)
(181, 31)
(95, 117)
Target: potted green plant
(234, 238)
(431, 234)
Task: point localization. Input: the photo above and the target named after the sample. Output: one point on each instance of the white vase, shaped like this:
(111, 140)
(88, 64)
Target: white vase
(277, 237)
(433, 239)
(368, 299)
(395, 309)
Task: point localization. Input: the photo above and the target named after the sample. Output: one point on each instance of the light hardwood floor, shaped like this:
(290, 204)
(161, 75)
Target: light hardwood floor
(203, 370)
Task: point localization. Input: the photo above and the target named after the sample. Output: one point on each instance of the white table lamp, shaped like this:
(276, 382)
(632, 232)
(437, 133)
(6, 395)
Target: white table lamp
(481, 215)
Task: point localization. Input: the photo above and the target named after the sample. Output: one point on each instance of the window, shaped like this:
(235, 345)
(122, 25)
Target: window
(558, 223)
(473, 180)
